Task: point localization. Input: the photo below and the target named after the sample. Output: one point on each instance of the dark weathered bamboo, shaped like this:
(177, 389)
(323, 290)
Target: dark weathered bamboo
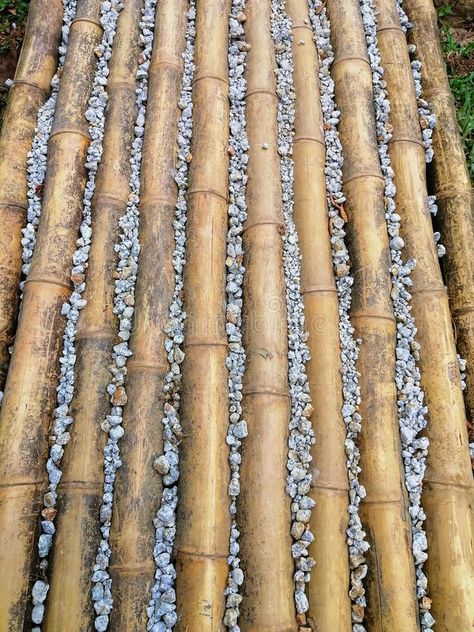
(452, 185)
(138, 487)
(80, 490)
(203, 521)
(30, 389)
(329, 603)
(263, 507)
(36, 66)
(384, 513)
(448, 493)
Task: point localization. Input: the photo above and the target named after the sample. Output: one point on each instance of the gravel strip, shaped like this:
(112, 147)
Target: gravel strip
(411, 409)
(127, 260)
(162, 614)
(60, 436)
(37, 156)
(349, 345)
(235, 362)
(301, 435)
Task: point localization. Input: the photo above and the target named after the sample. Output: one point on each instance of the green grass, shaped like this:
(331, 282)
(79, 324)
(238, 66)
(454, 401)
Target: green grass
(460, 64)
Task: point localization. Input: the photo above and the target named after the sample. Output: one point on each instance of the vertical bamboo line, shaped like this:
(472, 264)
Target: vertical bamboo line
(448, 486)
(36, 67)
(80, 490)
(263, 515)
(328, 589)
(391, 579)
(203, 519)
(29, 393)
(452, 184)
(138, 487)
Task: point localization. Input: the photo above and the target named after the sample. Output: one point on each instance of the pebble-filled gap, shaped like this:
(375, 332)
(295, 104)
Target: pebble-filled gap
(235, 362)
(162, 613)
(127, 250)
(301, 435)
(349, 345)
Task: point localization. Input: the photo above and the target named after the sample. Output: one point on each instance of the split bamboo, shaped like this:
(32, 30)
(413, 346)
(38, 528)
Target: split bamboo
(203, 518)
(138, 487)
(448, 492)
(31, 88)
(30, 389)
(384, 512)
(264, 517)
(329, 603)
(452, 185)
(80, 491)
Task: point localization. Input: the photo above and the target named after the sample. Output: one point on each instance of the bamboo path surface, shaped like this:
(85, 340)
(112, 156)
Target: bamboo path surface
(224, 567)
(452, 185)
(266, 404)
(138, 485)
(391, 602)
(32, 85)
(80, 490)
(328, 594)
(448, 489)
(203, 521)
(29, 392)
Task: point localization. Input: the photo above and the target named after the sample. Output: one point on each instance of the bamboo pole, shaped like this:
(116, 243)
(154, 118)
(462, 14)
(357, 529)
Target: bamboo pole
(138, 487)
(384, 513)
(328, 590)
(263, 514)
(30, 388)
(203, 519)
(448, 492)
(80, 490)
(36, 67)
(452, 185)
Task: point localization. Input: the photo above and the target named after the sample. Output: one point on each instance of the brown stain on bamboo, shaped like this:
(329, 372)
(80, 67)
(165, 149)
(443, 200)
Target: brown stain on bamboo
(138, 486)
(30, 389)
(80, 489)
(329, 601)
(391, 578)
(263, 506)
(32, 86)
(448, 488)
(203, 518)
(452, 184)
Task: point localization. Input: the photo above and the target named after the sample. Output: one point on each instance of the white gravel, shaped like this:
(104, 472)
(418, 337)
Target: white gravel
(411, 409)
(301, 435)
(348, 344)
(235, 362)
(127, 259)
(65, 390)
(162, 606)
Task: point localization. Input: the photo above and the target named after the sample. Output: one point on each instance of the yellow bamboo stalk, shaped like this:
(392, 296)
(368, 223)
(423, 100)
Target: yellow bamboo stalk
(449, 487)
(30, 388)
(80, 490)
(263, 506)
(138, 487)
(36, 66)
(452, 185)
(391, 579)
(203, 520)
(329, 601)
